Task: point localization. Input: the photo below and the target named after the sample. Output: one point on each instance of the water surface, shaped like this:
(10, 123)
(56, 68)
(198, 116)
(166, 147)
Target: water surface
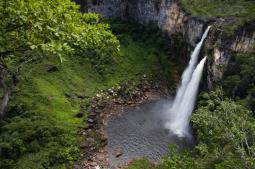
(139, 132)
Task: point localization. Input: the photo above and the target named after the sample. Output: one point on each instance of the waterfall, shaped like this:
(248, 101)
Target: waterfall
(186, 76)
(179, 125)
(184, 102)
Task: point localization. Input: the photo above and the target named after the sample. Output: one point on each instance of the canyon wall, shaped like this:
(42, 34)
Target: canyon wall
(167, 14)
(222, 46)
(172, 19)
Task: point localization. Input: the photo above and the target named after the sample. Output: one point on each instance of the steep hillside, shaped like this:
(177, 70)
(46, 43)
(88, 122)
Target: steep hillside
(43, 122)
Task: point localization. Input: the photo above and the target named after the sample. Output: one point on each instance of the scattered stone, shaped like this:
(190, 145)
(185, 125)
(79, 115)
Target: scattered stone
(90, 139)
(85, 145)
(50, 98)
(90, 120)
(80, 114)
(97, 167)
(119, 153)
(51, 68)
(98, 110)
(92, 148)
(102, 109)
(104, 141)
(92, 115)
(93, 164)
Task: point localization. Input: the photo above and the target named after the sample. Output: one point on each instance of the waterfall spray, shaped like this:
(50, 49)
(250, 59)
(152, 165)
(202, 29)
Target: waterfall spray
(184, 101)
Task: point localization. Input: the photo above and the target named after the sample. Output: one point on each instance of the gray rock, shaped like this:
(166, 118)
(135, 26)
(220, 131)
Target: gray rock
(90, 120)
(51, 68)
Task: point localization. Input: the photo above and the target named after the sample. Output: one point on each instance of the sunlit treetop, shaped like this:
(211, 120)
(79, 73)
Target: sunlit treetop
(32, 29)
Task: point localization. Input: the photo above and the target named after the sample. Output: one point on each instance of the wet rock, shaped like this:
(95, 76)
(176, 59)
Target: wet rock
(118, 153)
(51, 68)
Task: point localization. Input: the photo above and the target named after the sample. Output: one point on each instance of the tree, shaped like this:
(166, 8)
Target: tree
(32, 30)
(225, 133)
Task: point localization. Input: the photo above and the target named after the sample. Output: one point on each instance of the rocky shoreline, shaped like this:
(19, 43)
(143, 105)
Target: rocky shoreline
(105, 106)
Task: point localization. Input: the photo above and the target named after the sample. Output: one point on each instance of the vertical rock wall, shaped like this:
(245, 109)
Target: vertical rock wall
(167, 14)
(224, 46)
(172, 19)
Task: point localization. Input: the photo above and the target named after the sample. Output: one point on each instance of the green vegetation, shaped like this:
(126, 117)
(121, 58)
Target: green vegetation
(54, 60)
(150, 37)
(225, 133)
(225, 130)
(142, 164)
(40, 129)
(236, 12)
(33, 30)
(240, 78)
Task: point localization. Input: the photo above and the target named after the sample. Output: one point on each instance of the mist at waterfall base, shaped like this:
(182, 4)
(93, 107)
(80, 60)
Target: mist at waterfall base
(179, 113)
(147, 130)
(139, 132)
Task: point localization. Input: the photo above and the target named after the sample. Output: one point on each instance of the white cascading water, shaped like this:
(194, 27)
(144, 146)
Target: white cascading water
(184, 102)
(180, 123)
(186, 76)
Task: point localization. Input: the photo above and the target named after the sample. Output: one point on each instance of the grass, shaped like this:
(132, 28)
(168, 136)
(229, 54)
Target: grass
(142, 164)
(44, 105)
(239, 10)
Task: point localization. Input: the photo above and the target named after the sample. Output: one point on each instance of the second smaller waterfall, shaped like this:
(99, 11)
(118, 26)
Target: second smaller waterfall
(179, 125)
(180, 112)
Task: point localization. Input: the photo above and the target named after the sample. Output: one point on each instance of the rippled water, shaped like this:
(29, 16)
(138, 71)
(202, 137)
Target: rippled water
(139, 132)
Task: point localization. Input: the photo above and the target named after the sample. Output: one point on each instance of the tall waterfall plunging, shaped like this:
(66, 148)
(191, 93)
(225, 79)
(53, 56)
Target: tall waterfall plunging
(184, 101)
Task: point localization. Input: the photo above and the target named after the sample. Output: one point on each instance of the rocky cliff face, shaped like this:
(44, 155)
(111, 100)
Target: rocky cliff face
(222, 47)
(167, 14)
(172, 19)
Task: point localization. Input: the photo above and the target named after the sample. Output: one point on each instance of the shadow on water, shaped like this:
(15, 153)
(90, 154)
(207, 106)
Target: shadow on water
(139, 132)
